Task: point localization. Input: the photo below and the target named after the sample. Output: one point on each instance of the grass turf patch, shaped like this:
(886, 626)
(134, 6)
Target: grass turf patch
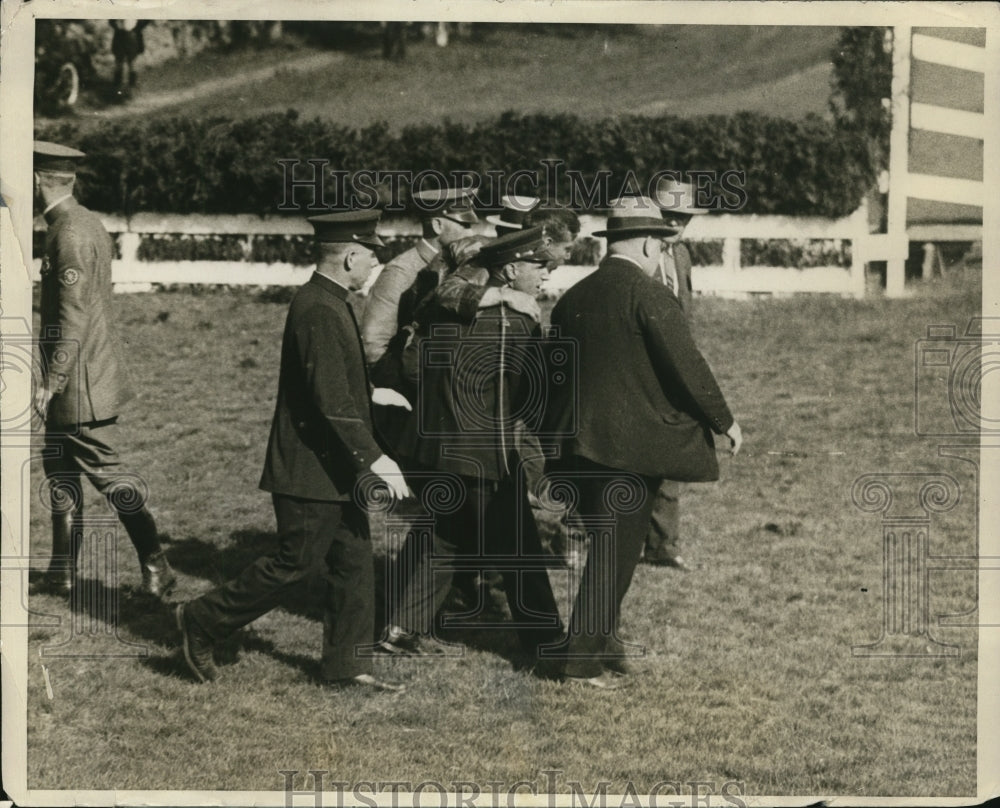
(747, 675)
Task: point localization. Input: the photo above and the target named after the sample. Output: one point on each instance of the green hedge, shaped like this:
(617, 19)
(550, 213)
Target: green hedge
(706, 253)
(265, 249)
(801, 253)
(216, 165)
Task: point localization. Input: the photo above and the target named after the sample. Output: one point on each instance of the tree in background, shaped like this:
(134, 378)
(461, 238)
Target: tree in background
(862, 87)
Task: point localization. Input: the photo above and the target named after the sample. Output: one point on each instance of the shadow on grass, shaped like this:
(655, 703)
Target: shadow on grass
(201, 559)
(469, 617)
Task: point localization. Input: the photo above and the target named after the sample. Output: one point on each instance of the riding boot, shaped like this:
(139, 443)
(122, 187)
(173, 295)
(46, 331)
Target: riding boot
(66, 540)
(158, 578)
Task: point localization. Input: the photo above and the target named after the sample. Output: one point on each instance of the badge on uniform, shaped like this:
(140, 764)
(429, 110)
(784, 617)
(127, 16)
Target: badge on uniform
(69, 276)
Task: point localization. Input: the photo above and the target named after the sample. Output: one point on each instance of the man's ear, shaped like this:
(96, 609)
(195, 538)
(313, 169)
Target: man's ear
(437, 225)
(352, 259)
(509, 273)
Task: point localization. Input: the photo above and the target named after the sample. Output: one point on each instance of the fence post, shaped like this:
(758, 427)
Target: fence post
(731, 253)
(859, 248)
(895, 272)
(129, 243)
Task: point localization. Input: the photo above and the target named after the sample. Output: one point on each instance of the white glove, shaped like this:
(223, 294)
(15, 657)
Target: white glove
(389, 473)
(735, 435)
(388, 397)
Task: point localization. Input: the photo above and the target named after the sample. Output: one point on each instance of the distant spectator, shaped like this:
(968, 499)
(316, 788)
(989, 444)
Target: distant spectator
(394, 40)
(126, 46)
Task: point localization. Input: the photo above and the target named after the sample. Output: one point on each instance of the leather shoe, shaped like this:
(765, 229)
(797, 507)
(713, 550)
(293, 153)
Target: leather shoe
(397, 642)
(364, 680)
(676, 562)
(617, 666)
(158, 577)
(602, 682)
(197, 648)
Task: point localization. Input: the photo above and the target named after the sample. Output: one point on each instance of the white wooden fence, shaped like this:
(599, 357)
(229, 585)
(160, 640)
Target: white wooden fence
(728, 278)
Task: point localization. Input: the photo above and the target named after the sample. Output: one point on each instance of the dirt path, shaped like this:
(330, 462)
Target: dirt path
(150, 101)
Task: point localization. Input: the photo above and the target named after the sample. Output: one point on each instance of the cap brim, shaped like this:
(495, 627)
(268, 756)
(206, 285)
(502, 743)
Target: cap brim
(496, 220)
(646, 230)
(370, 241)
(461, 216)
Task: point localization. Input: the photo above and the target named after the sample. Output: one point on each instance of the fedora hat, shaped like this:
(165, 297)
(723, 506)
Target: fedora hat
(677, 197)
(515, 208)
(632, 216)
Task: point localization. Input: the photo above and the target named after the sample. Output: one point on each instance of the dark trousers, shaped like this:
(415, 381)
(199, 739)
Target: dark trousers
(615, 508)
(87, 450)
(310, 534)
(664, 526)
(492, 528)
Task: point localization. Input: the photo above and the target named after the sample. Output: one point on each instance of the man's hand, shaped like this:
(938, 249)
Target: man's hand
(735, 435)
(491, 297)
(388, 397)
(42, 398)
(522, 302)
(389, 473)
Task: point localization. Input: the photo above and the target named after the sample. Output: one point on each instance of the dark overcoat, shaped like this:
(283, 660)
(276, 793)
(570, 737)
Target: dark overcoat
(644, 398)
(321, 436)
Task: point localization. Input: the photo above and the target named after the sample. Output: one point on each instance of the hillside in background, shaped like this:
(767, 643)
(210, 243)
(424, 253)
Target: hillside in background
(592, 72)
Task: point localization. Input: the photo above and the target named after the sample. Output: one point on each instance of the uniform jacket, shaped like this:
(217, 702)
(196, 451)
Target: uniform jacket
(81, 353)
(473, 385)
(381, 319)
(646, 400)
(321, 436)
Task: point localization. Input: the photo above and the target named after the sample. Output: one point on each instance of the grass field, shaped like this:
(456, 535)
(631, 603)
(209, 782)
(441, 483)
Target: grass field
(606, 72)
(748, 676)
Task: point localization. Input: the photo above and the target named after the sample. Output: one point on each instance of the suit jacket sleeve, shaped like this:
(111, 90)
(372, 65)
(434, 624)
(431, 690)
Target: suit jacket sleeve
(382, 310)
(74, 261)
(461, 292)
(675, 356)
(325, 353)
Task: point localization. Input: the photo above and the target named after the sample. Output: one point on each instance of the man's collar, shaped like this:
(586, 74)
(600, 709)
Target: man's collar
(620, 257)
(427, 251)
(56, 208)
(334, 287)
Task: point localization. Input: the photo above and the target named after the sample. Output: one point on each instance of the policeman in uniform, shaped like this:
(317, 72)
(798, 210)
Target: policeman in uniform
(84, 386)
(321, 446)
